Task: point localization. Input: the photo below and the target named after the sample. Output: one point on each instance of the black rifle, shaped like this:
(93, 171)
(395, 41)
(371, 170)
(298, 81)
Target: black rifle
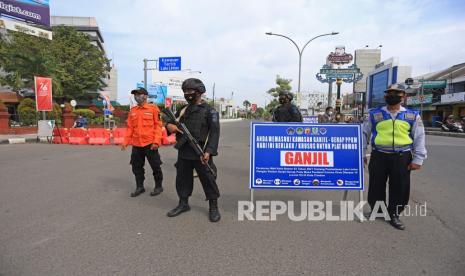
(188, 136)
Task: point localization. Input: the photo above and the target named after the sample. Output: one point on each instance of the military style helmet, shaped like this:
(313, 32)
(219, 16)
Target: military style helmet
(193, 84)
(287, 94)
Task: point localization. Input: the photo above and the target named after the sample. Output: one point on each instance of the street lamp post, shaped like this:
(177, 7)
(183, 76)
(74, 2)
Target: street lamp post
(147, 69)
(300, 56)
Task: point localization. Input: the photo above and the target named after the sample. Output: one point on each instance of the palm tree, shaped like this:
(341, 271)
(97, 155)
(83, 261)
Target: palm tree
(246, 104)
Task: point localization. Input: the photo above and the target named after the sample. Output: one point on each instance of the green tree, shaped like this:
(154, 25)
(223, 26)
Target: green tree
(84, 112)
(27, 112)
(246, 104)
(269, 108)
(283, 85)
(75, 65)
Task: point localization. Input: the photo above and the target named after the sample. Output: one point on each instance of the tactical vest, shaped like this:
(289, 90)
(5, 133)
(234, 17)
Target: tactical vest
(390, 135)
(196, 120)
(283, 113)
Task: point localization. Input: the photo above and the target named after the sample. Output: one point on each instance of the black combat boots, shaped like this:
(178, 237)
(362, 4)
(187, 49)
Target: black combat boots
(182, 207)
(140, 188)
(158, 189)
(214, 213)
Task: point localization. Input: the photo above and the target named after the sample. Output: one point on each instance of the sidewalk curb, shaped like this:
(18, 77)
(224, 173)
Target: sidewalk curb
(22, 140)
(230, 120)
(445, 134)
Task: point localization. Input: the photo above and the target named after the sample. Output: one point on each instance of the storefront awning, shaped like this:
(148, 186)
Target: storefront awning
(451, 103)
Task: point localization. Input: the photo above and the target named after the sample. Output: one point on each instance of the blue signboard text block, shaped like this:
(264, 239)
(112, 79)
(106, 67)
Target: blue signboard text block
(169, 64)
(306, 156)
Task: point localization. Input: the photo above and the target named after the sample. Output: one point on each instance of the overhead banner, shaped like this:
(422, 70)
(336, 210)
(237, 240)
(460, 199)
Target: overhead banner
(420, 99)
(43, 89)
(36, 11)
(157, 93)
(306, 156)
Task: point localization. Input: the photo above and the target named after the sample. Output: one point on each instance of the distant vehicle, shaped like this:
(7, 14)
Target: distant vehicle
(455, 127)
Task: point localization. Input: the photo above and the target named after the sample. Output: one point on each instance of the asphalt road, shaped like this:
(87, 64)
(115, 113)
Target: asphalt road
(66, 210)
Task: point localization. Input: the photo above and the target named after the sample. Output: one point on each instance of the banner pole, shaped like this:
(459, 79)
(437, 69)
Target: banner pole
(360, 200)
(251, 196)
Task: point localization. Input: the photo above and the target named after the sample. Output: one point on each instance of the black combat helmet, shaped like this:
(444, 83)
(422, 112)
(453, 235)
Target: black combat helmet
(287, 95)
(193, 84)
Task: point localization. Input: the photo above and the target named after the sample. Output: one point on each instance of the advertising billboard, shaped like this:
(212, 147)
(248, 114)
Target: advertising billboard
(36, 11)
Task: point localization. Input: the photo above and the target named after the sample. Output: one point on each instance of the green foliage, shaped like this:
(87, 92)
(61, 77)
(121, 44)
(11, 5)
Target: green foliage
(246, 104)
(97, 120)
(84, 112)
(27, 112)
(101, 119)
(124, 107)
(259, 112)
(283, 86)
(274, 103)
(55, 114)
(75, 65)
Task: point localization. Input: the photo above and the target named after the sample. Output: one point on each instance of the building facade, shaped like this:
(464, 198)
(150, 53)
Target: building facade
(366, 60)
(385, 73)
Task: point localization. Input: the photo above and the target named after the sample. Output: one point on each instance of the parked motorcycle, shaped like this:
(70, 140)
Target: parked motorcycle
(455, 127)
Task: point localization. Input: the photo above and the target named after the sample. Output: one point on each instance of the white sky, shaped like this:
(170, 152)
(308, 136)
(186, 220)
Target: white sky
(226, 39)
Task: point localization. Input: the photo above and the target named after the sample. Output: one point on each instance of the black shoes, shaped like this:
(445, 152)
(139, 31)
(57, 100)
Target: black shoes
(156, 191)
(138, 191)
(213, 212)
(182, 207)
(397, 223)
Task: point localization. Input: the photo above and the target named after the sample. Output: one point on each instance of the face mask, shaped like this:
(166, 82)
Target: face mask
(190, 97)
(139, 98)
(330, 113)
(392, 99)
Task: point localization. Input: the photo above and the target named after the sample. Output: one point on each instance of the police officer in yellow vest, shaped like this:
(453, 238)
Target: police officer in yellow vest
(397, 138)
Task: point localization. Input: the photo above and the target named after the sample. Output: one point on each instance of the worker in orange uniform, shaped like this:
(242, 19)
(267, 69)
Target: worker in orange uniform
(144, 133)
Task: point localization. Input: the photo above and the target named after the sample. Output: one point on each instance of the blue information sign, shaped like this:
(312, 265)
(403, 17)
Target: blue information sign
(169, 64)
(306, 156)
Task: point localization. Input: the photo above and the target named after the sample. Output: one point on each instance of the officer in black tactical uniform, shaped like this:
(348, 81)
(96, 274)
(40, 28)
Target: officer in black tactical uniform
(286, 111)
(203, 123)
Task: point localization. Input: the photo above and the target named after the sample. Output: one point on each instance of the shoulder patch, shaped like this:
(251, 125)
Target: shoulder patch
(378, 116)
(410, 116)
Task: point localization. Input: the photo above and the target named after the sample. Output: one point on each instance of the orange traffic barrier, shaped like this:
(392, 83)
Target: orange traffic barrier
(118, 135)
(60, 136)
(78, 136)
(98, 136)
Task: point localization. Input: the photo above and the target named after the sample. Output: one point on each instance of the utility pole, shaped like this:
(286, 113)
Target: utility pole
(213, 95)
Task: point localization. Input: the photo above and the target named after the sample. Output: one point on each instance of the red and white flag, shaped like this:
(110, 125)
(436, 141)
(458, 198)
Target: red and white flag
(43, 89)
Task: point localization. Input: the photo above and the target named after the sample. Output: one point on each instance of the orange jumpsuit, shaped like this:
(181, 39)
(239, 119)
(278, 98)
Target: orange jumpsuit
(143, 126)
